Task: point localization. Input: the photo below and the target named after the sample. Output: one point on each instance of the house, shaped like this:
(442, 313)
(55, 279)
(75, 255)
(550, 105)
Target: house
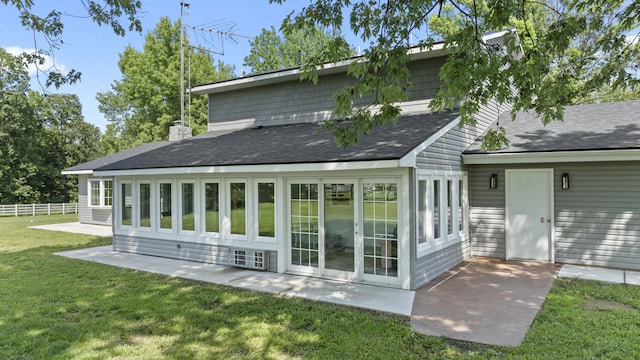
(568, 192)
(268, 188)
(95, 193)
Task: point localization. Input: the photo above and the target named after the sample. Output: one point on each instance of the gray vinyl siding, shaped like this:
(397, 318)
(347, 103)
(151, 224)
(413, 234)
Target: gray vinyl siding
(181, 250)
(431, 266)
(597, 220)
(302, 101)
(486, 208)
(445, 153)
(87, 214)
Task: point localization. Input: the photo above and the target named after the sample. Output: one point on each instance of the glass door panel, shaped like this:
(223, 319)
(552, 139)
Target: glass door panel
(380, 215)
(304, 225)
(339, 205)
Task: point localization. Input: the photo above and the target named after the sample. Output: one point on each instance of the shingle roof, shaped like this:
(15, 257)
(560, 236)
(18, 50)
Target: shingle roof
(109, 159)
(605, 126)
(288, 144)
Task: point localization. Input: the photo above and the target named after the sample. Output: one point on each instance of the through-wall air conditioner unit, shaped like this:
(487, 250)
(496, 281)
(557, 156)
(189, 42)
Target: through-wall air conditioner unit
(250, 259)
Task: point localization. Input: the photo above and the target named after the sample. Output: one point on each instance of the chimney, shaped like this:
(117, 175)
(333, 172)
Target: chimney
(178, 132)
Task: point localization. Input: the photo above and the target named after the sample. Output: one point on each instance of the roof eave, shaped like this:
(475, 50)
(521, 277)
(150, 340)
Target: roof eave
(295, 73)
(552, 157)
(76, 172)
(262, 168)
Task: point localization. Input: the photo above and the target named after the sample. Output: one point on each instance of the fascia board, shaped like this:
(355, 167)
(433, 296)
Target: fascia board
(552, 157)
(267, 168)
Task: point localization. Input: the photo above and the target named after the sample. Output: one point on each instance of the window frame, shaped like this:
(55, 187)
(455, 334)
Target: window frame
(445, 239)
(121, 203)
(221, 207)
(227, 213)
(256, 210)
(195, 208)
(158, 214)
(139, 206)
(102, 193)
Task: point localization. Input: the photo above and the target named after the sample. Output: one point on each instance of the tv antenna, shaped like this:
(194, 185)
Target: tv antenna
(216, 32)
(222, 29)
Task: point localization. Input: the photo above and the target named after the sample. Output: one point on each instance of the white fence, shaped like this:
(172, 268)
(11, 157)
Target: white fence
(38, 209)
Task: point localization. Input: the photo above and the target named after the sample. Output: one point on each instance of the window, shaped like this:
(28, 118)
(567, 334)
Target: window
(449, 207)
(266, 209)
(304, 225)
(144, 219)
(380, 210)
(188, 217)
(100, 193)
(238, 211)
(461, 218)
(126, 204)
(422, 212)
(212, 207)
(95, 192)
(165, 206)
(436, 209)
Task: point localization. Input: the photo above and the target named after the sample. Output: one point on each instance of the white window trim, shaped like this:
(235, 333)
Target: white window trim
(158, 212)
(118, 209)
(227, 213)
(445, 240)
(221, 207)
(256, 210)
(196, 195)
(139, 207)
(102, 192)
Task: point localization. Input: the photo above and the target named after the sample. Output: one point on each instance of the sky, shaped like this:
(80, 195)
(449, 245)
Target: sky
(95, 50)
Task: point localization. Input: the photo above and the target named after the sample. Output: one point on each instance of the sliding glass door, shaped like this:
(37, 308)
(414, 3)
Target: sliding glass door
(344, 229)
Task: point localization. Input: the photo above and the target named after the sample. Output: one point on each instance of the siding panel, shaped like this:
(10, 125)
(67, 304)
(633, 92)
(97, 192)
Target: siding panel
(181, 250)
(445, 153)
(87, 214)
(302, 101)
(597, 220)
(431, 266)
(487, 212)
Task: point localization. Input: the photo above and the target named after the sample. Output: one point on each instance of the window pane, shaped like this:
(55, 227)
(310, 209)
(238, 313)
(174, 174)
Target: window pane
(212, 204)
(266, 209)
(436, 209)
(460, 205)
(449, 206)
(304, 225)
(188, 222)
(165, 206)
(238, 208)
(380, 212)
(95, 193)
(145, 205)
(422, 211)
(108, 192)
(126, 204)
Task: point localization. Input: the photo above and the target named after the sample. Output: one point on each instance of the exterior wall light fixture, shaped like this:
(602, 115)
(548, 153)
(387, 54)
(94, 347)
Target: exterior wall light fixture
(493, 181)
(565, 181)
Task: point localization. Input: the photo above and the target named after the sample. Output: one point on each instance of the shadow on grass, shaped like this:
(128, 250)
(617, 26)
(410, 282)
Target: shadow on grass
(54, 307)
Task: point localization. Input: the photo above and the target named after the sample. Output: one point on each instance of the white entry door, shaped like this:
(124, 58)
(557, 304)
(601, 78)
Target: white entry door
(529, 214)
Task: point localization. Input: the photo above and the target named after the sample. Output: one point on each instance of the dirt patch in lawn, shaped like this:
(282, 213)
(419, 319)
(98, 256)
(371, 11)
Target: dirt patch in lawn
(600, 304)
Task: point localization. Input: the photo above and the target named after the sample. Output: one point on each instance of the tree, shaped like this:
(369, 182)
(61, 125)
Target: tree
(39, 136)
(142, 106)
(64, 139)
(273, 51)
(568, 50)
(105, 12)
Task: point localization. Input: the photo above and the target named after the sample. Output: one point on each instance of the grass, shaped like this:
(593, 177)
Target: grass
(57, 308)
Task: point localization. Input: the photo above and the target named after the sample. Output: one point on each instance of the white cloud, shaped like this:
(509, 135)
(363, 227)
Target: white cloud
(49, 62)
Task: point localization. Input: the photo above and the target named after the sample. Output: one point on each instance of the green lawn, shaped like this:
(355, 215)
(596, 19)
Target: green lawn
(57, 308)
